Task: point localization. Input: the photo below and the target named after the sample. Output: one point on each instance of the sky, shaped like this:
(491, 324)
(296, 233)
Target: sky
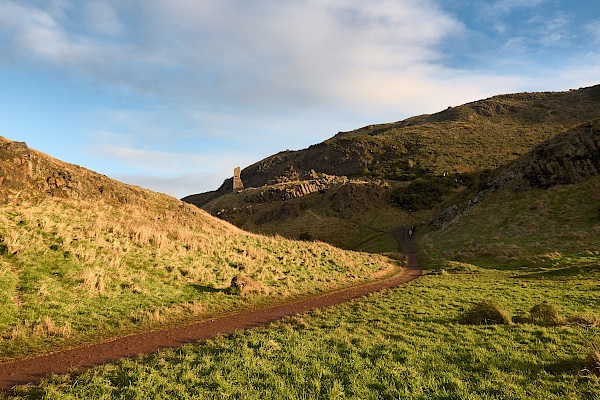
(172, 95)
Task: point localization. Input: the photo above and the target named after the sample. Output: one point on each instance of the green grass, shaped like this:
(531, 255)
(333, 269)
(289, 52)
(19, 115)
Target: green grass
(401, 343)
(75, 272)
(532, 228)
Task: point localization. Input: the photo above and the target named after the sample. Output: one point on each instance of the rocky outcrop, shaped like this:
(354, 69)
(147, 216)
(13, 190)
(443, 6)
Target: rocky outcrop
(568, 158)
(26, 173)
(319, 183)
(271, 204)
(243, 284)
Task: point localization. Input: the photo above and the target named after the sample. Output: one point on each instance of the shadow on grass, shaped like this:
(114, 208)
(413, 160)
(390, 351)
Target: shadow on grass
(566, 366)
(209, 289)
(572, 271)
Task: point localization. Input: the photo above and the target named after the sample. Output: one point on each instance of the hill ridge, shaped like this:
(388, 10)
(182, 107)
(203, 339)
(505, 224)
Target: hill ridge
(482, 134)
(25, 172)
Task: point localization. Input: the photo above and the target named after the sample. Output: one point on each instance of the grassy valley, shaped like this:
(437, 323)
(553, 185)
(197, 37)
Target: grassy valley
(401, 343)
(517, 246)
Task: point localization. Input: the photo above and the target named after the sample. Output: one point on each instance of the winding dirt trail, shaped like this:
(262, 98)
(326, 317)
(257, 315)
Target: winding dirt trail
(32, 370)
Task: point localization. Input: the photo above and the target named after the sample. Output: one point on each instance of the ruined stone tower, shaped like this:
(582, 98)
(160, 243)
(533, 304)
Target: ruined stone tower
(237, 180)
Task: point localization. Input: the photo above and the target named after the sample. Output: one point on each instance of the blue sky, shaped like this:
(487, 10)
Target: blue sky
(172, 95)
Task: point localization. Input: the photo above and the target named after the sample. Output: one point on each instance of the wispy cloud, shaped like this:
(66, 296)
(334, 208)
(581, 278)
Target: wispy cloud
(507, 6)
(101, 17)
(593, 30)
(178, 186)
(259, 56)
(554, 31)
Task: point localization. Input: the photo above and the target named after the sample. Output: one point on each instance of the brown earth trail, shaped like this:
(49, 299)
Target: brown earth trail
(32, 370)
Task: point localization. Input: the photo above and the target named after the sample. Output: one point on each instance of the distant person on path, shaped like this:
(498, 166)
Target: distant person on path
(411, 232)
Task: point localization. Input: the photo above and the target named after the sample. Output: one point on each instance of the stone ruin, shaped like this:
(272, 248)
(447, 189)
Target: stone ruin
(237, 180)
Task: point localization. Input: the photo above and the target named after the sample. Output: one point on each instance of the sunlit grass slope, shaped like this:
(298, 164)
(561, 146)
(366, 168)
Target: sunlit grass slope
(81, 267)
(527, 227)
(404, 343)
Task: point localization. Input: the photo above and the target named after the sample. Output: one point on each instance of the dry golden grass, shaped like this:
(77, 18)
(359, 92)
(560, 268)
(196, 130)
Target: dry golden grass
(593, 360)
(99, 268)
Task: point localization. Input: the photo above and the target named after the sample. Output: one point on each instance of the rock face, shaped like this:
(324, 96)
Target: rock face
(281, 192)
(568, 158)
(25, 173)
(237, 181)
(338, 196)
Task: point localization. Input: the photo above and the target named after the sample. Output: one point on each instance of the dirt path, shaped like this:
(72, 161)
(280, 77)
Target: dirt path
(32, 370)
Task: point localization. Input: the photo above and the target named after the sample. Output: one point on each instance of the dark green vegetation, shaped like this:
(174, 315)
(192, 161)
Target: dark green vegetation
(426, 193)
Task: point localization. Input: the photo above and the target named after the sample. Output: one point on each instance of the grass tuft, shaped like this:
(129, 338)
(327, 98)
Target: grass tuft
(485, 313)
(593, 360)
(584, 321)
(92, 281)
(545, 314)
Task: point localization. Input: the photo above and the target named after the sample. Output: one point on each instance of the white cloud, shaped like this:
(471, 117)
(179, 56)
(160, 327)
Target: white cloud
(156, 161)
(33, 32)
(253, 54)
(179, 174)
(178, 186)
(258, 56)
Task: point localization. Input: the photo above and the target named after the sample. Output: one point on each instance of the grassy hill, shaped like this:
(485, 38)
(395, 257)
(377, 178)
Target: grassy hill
(520, 239)
(357, 189)
(542, 206)
(481, 135)
(84, 258)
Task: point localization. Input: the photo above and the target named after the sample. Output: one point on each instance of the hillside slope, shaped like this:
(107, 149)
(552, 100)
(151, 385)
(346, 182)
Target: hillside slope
(84, 258)
(480, 135)
(545, 203)
(399, 174)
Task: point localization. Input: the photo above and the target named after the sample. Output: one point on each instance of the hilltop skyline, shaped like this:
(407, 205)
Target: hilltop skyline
(172, 95)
